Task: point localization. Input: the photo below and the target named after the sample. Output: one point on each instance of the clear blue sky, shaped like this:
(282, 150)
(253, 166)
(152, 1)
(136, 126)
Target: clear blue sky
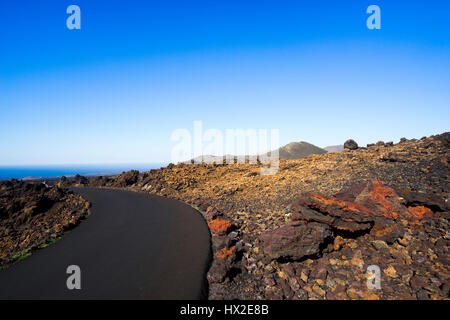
(114, 91)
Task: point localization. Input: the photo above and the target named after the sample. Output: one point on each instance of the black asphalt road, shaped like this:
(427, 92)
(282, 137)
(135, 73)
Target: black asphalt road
(132, 246)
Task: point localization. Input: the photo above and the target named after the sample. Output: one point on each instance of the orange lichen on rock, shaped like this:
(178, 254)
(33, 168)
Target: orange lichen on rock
(375, 199)
(392, 230)
(338, 242)
(380, 193)
(420, 211)
(341, 204)
(219, 226)
(225, 252)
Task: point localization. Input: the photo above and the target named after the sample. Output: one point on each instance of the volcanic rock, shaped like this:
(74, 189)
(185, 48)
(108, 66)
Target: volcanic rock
(80, 180)
(294, 242)
(339, 214)
(220, 226)
(350, 144)
(395, 193)
(31, 214)
(127, 178)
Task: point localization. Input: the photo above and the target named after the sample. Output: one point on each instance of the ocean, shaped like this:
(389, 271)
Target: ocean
(54, 171)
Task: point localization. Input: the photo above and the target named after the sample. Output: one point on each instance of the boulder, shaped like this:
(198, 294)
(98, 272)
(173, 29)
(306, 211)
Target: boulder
(382, 201)
(100, 181)
(388, 233)
(220, 226)
(436, 202)
(294, 242)
(339, 214)
(350, 144)
(212, 213)
(217, 272)
(356, 209)
(79, 180)
(127, 178)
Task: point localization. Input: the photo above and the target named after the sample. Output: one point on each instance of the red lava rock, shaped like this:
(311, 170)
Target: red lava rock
(217, 272)
(220, 241)
(269, 280)
(274, 293)
(300, 295)
(381, 199)
(289, 270)
(225, 252)
(388, 233)
(340, 214)
(430, 200)
(319, 273)
(294, 284)
(350, 194)
(295, 241)
(374, 207)
(420, 212)
(287, 291)
(422, 295)
(338, 242)
(219, 226)
(417, 282)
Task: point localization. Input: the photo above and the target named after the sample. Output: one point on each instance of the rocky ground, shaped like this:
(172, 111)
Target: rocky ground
(33, 215)
(315, 228)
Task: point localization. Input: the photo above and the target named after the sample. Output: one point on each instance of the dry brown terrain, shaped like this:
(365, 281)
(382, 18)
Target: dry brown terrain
(315, 228)
(33, 215)
(312, 230)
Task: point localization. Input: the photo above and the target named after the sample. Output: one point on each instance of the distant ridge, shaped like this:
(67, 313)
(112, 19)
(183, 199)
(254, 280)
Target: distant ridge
(337, 148)
(293, 150)
(297, 150)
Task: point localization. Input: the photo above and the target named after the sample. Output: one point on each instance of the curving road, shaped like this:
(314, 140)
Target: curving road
(132, 246)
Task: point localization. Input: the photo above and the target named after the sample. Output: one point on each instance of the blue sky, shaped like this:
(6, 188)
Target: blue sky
(114, 91)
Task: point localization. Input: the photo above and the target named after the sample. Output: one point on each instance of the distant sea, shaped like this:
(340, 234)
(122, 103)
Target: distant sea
(54, 171)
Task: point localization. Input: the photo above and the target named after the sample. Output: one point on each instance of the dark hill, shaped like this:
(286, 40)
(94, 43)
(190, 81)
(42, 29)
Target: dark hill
(293, 150)
(297, 150)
